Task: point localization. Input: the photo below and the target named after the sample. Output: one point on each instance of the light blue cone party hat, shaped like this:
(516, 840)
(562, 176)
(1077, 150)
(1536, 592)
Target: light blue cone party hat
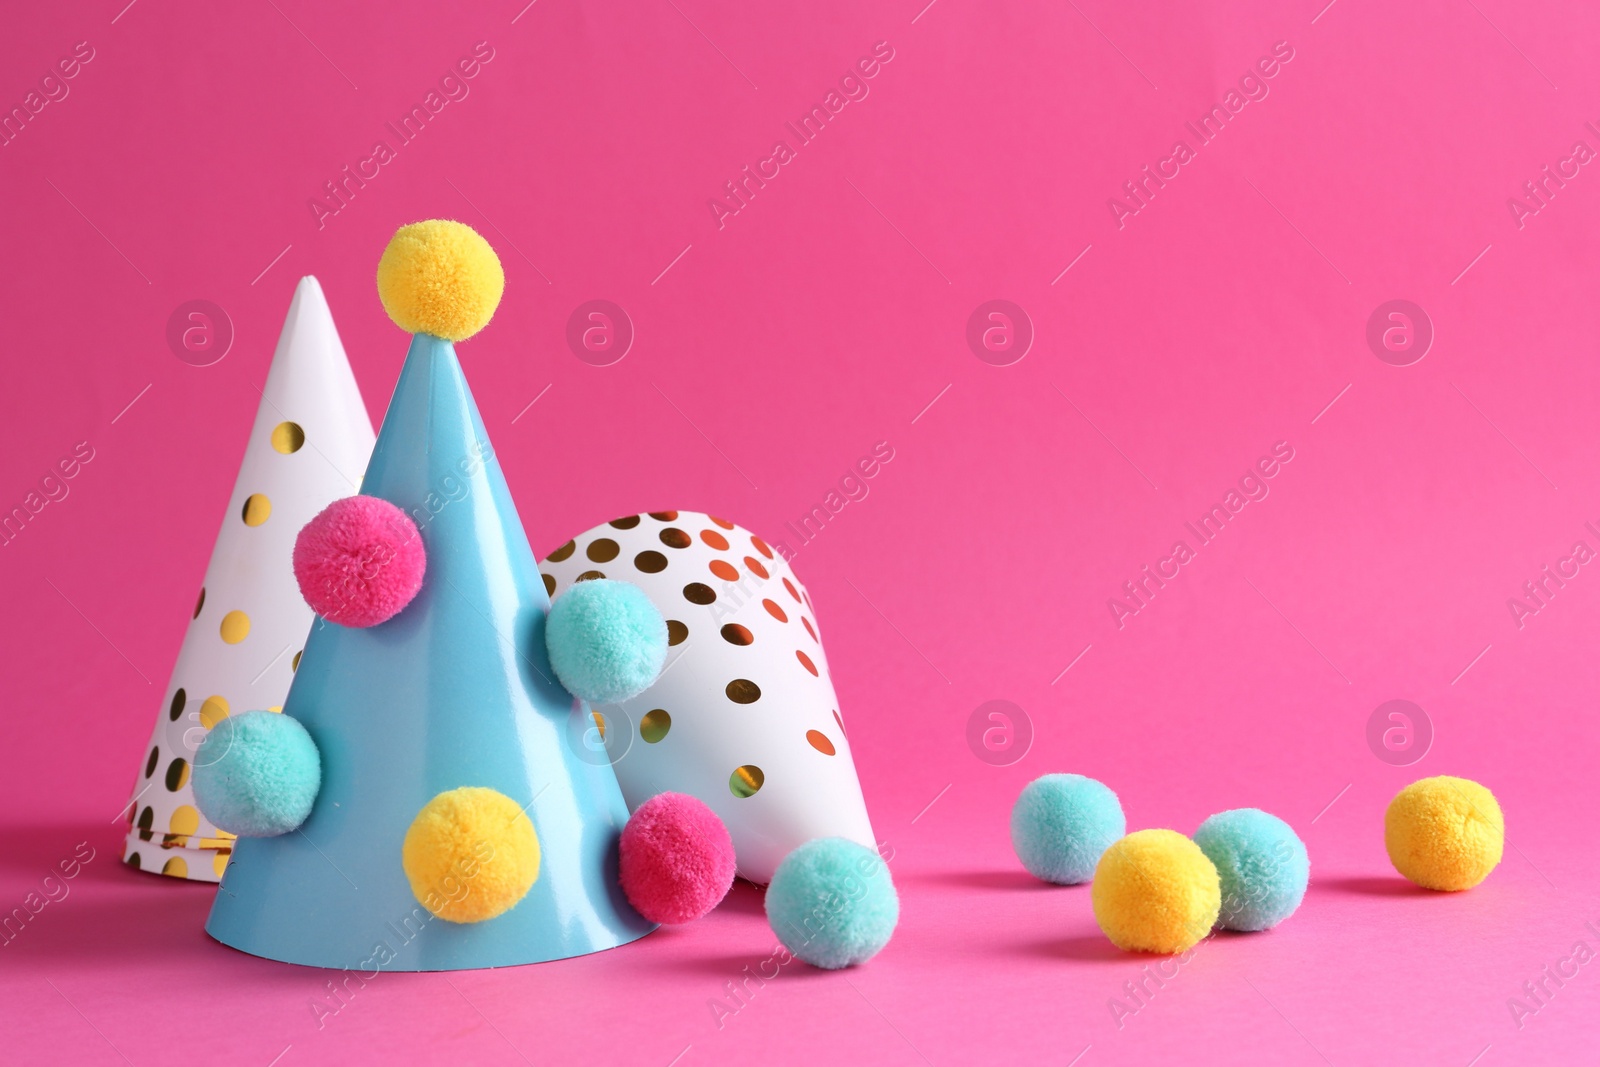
(449, 705)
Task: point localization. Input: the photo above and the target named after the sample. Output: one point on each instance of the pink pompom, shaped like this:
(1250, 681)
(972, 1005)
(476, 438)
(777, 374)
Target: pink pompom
(677, 859)
(360, 561)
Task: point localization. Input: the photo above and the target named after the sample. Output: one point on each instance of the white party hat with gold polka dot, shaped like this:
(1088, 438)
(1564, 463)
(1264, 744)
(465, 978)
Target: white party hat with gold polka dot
(308, 446)
(419, 804)
(744, 715)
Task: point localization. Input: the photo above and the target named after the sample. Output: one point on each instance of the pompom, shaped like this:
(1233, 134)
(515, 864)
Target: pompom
(257, 774)
(1155, 891)
(1062, 823)
(1444, 833)
(832, 903)
(677, 859)
(470, 854)
(360, 561)
(1262, 865)
(606, 640)
(440, 277)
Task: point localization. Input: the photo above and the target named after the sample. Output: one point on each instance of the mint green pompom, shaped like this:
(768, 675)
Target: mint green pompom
(257, 774)
(1061, 825)
(607, 642)
(832, 903)
(1262, 863)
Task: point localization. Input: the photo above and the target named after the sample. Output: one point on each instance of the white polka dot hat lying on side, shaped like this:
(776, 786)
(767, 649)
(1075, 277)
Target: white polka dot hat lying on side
(309, 444)
(744, 715)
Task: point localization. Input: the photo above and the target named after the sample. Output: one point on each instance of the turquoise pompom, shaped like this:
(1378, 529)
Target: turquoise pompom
(257, 774)
(1262, 863)
(832, 903)
(606, 640)
(1062, 823)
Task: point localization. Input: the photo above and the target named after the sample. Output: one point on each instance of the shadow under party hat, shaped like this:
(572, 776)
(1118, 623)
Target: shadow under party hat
(308, 446)
(449, 701)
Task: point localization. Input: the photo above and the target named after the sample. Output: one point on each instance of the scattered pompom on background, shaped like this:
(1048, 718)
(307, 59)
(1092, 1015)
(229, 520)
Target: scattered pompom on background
(1062, 823)
(440, 277)
(359, 561)
(607, 641)
(1155, 891)
(470, 854)
(677, 859)
(1444, 833)
(257, 774)
(1261, 863)
(832, 903)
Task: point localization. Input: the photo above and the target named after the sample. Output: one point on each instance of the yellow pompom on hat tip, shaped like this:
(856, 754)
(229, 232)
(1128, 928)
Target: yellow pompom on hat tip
(440, 277)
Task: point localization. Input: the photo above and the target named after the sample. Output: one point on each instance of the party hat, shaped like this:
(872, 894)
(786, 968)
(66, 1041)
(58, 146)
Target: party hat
(447, 823)
(744, 715)
(308, 447)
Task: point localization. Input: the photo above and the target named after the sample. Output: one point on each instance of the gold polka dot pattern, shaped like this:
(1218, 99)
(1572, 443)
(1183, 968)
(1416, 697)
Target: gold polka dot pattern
(178, 777)
(287, 437)
(819, 741)
(213, 711)
(257, 509)
(654, 726)
(246, 628)
(235, 627)
(746, 781)
(733, 595)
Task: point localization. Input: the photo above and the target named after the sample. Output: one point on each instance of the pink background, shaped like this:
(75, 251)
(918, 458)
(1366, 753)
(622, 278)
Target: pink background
(822, 318)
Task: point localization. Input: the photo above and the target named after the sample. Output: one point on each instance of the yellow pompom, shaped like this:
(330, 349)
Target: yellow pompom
(470, 854)
(1155, 891)
(440, 277)
(1444, 833)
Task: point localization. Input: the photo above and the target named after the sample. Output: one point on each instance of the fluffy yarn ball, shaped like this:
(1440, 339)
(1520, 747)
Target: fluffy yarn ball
(832, 903)
(1155, 891)
(1262, 864)
(1444, 833)
(607, 642)
(257, 774)
(1062, 823)
(359, 561)
(470, 854)
(677, 859)
(440, 277)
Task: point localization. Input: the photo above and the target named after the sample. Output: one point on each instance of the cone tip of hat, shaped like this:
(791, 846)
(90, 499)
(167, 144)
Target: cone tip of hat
(440, 277)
